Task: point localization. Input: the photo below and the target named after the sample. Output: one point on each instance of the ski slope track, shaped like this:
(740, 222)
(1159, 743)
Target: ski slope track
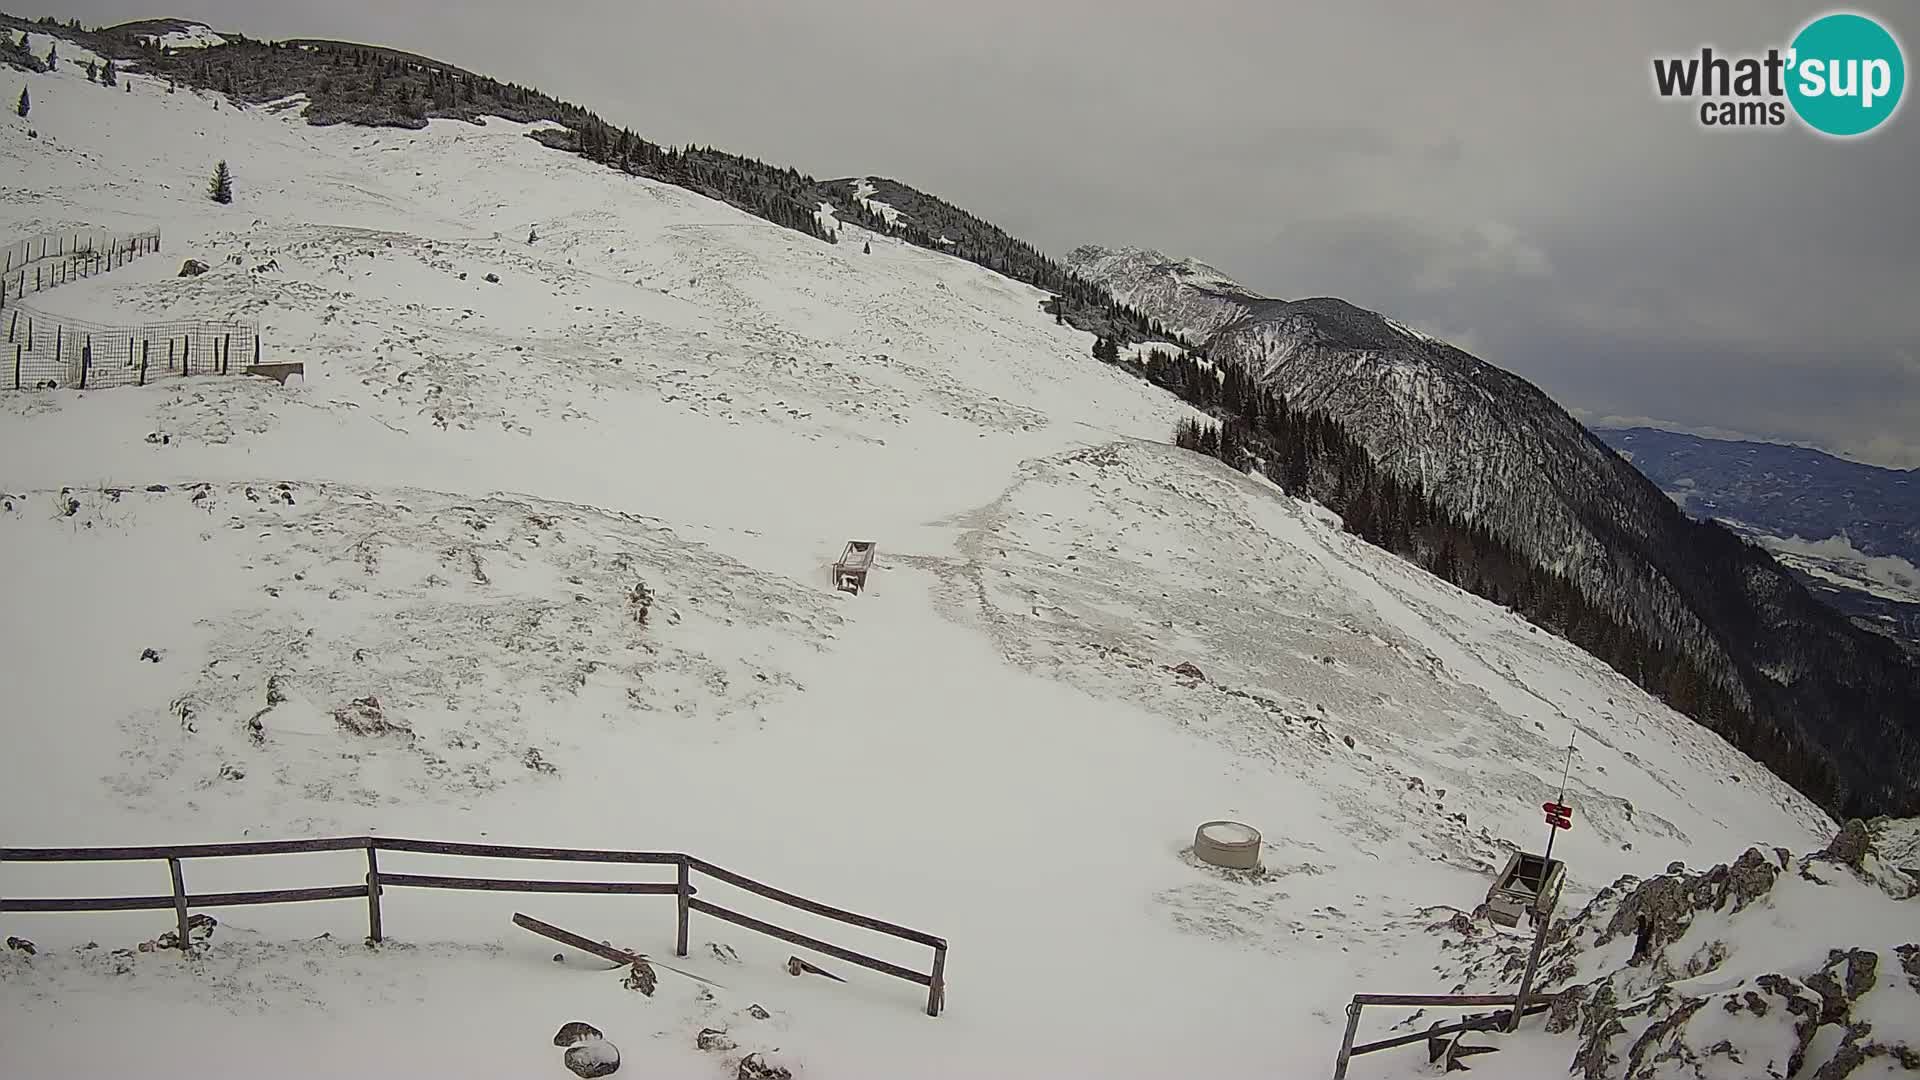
(572, 530)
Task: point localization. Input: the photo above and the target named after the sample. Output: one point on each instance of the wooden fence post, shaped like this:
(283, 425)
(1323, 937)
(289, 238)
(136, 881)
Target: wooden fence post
(227, 359)
(86, 361)
(937, 989)
(1346, 1044)
(169, 354)
(685, 894)
(59, 336)
(373, 893)
(179, 901)
(16, 365)
(256, 349)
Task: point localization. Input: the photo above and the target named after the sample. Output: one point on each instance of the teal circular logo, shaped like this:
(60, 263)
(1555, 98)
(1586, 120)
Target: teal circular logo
(1847, 74)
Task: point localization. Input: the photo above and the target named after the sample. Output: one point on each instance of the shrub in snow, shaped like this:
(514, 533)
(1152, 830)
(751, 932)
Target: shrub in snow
(641, 977)
(25, 104)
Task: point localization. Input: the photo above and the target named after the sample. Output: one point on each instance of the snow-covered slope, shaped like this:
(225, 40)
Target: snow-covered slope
(571, 530)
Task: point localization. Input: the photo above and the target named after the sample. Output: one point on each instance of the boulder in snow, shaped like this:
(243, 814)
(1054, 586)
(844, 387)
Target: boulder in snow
(594, 1057)
(713, 1039)
(193, 268)
(755, 1067)
(575, 1031)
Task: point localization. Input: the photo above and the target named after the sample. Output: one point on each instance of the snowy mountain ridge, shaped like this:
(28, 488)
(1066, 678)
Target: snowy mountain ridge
(1188, 296)
(537, 552)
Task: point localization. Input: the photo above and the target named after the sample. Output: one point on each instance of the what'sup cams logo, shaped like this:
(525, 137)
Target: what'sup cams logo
(1842, 75)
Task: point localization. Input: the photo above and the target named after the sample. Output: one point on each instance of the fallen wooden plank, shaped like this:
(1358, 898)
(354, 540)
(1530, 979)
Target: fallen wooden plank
(797, 966)
(621, 957)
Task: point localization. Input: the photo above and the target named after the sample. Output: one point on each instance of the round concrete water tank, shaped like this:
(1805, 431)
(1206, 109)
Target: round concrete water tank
(1228, 844)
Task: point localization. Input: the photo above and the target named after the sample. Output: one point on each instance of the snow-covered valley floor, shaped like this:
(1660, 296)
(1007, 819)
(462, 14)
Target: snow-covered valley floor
(452, 514)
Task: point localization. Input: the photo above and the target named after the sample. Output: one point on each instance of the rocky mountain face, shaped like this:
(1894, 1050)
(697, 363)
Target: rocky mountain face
(1189, 297)
(1722, 972)
(1833, 705)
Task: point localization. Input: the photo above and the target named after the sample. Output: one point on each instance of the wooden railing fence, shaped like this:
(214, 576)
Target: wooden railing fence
(682, 888)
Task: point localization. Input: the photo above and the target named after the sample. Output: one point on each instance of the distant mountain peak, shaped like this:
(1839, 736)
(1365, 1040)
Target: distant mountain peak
(1192, 270)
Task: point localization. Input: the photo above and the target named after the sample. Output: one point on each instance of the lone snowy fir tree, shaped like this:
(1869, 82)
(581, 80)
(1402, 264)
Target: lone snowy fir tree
(221, 189)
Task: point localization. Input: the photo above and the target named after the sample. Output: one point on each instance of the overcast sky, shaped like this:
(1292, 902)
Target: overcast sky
(1497, 173)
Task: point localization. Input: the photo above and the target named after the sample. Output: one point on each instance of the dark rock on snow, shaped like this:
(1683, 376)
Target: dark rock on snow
(575, 1031)
(595, 1057)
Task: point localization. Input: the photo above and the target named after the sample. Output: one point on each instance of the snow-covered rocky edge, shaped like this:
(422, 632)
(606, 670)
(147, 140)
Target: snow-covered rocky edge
(1773, 965)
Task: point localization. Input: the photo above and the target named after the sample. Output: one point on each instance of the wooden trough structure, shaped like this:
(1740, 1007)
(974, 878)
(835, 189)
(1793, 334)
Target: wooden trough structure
(850, 572)
(1527, 888)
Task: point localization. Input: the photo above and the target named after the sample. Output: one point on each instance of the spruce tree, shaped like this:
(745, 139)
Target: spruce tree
(53, 56)
(93, 71)
(108, 74)
(25, 105)
(221, 190)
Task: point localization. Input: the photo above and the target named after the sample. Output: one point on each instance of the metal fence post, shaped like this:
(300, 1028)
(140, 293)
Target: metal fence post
(373, 893)
(179, 901)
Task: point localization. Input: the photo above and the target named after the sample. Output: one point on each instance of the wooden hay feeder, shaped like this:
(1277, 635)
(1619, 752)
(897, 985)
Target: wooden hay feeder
(1527, 887)
(850, 573)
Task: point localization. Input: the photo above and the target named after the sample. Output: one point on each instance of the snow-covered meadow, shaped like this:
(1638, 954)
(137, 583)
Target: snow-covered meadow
(454, 513)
